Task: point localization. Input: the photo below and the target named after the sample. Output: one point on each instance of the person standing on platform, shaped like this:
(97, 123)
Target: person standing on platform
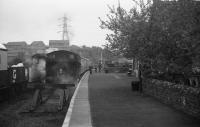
(99, 67)
(95, 68)
(90, 69)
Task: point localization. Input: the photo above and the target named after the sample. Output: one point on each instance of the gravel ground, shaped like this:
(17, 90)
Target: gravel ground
(11, 115)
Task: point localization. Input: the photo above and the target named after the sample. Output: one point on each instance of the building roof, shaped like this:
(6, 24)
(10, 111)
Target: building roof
(2, 47)
(38, 43)
(22, 43)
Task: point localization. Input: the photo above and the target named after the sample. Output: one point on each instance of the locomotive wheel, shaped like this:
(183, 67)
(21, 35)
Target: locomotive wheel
(24, 86)
(12, 92)
(64, 97)
(61, 102)
(37, 99)
(18, 88)
(5, 94)
(67, 95)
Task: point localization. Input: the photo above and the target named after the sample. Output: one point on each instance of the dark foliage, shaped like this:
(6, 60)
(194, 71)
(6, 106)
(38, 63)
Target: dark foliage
(163, 35)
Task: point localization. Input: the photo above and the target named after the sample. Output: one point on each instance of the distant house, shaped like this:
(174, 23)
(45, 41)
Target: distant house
(59, 44)
(37, 47)
(16, 50)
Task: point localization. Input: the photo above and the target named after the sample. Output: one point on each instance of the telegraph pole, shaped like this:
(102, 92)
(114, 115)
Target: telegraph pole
(65, 33)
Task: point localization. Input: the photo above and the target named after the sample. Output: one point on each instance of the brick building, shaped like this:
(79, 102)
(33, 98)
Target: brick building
(16, 50)
(21, 51)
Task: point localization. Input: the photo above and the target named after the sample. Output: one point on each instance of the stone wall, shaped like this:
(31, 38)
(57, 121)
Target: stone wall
(181, 97)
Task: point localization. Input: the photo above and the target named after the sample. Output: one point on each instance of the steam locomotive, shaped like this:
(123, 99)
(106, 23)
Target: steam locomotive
(59, 70)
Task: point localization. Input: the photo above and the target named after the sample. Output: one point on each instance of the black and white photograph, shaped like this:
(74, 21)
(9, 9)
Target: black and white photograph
(99, 63)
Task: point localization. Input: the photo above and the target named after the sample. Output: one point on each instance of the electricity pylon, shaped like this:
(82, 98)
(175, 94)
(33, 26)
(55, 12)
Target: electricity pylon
(65, 32)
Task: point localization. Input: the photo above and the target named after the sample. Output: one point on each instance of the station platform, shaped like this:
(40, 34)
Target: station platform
(106, 100)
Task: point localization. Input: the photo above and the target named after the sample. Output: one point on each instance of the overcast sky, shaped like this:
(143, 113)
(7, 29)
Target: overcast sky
(37, 20)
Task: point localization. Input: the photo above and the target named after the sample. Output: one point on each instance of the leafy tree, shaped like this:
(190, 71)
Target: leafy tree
(164, 35)
(173, 23)
(92, 53)
(130, 30)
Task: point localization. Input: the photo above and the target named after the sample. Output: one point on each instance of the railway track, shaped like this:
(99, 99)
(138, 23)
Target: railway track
(50, 101)
(16, 113)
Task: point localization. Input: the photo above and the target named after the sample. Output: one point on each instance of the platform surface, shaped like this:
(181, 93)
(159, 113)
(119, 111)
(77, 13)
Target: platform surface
(78, 114)
(106, 100)
(114, 104)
